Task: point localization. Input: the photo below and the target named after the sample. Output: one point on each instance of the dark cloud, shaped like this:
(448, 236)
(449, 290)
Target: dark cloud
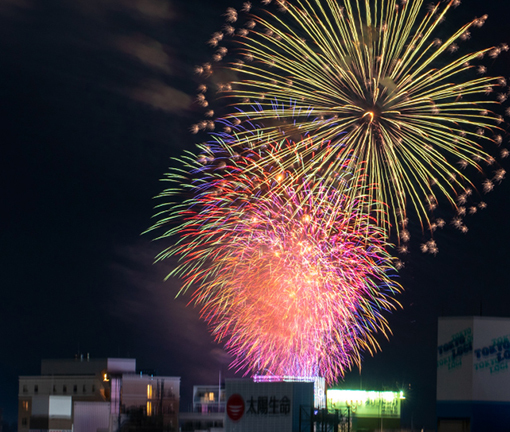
(150, 10)
(159, 95)
(167, 327)
(145, 50)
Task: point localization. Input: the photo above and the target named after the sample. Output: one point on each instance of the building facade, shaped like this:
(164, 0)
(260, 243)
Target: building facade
(78, 380)
(267, 406)
(208, 412)
(99, 395)
(151, 396)
(473, 377)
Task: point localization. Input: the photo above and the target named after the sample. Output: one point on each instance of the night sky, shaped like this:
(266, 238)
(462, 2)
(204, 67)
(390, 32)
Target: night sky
(96, 96)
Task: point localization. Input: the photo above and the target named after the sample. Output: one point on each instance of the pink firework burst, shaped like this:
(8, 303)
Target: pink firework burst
(291, 275)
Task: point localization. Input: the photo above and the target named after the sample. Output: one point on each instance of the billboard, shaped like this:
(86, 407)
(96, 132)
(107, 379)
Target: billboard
(266, 406)
(362, 403)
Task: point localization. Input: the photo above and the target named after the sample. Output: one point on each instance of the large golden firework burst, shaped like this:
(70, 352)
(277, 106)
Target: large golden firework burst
(415, 116)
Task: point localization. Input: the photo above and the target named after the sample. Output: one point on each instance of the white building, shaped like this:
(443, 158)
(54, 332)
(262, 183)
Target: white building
(473, 377)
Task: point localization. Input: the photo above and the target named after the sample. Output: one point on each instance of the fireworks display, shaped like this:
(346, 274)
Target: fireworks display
(341, 120)
(289, 277)
(416, 115)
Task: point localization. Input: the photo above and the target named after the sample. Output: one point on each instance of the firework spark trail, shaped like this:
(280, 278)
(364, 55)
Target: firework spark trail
(402, 108)
(314, 159)
(306, 287)
(288, 276)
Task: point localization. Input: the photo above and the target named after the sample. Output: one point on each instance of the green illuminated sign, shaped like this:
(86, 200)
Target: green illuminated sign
(366, 403)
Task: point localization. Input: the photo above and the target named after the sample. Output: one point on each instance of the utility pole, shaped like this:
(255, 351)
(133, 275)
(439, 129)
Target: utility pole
(348, 418)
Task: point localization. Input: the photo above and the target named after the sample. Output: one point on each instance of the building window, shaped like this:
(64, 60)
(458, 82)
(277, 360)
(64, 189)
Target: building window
(149, 409)
(54, 388)
(24, 404)
(64, 389)
(75, 389)
(84, 388)
(149, 391)
(25, 388)
(93, 388)
(36, 388)
(24, 421)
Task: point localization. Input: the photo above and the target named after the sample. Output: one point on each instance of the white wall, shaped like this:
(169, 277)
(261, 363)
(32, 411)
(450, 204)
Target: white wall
(60, 407)
(473, 359)
(455, 358)
(491, 358)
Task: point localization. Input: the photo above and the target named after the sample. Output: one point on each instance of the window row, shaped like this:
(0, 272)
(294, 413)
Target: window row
(63, 388)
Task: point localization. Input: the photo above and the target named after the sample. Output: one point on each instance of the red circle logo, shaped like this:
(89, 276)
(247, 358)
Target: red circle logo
(235, 407)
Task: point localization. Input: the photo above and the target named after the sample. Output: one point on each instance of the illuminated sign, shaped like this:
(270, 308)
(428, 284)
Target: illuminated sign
(319, 385)
(366, 403)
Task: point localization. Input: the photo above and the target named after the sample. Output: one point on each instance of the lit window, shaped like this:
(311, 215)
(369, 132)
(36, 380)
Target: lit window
(105, 377)
(25, 405)
(149, 391)
(149, 408)
(211, 397)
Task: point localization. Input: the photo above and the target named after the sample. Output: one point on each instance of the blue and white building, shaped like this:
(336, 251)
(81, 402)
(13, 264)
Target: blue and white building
(473, 375)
